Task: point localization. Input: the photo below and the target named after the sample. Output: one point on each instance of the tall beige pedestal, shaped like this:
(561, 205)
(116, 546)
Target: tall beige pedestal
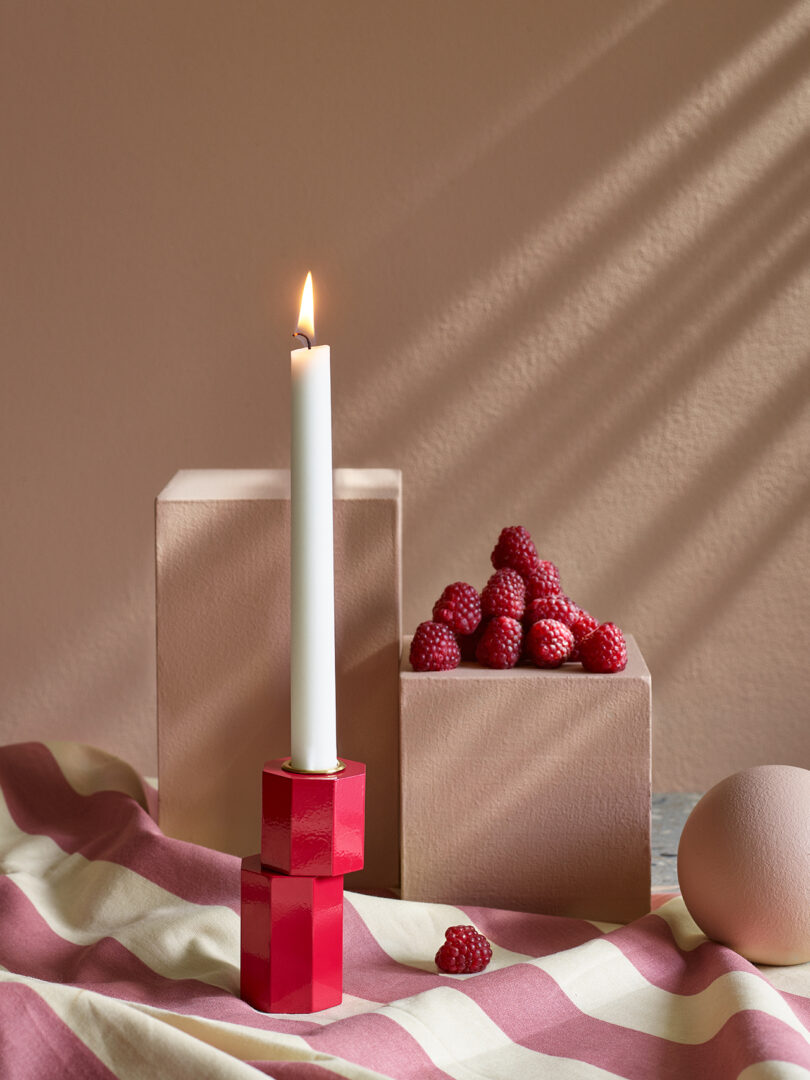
(527, 789)
(223, 651)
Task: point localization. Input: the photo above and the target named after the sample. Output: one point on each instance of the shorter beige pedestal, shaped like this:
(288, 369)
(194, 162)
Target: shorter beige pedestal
(526, 789)
(223, 651)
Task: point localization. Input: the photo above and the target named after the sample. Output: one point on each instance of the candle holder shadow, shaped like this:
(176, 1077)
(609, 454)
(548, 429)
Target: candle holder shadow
(292, 892)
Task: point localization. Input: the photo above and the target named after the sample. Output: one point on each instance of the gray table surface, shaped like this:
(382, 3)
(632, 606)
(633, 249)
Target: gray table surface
(669, 813)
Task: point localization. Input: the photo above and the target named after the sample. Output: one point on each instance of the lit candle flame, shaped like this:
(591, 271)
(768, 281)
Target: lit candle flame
(306, 317)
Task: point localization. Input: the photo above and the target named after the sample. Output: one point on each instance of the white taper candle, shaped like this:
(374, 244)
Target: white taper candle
(313, 734)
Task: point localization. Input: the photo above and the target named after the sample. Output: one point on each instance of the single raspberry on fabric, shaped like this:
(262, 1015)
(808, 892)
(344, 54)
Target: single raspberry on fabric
(548, 643)
(459, 607)
(434, 648)
(544, 580)
(560, 607)
(501, 643)
(464, 951)
(504, 594)
(605, 650)
(468, 643)
(583, 625)
(515, 549)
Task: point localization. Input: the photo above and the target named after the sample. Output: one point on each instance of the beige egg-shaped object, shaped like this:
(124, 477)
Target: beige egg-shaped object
(744, 864)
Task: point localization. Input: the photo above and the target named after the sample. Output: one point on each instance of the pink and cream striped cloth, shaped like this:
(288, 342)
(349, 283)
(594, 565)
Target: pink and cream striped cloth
(119, 957)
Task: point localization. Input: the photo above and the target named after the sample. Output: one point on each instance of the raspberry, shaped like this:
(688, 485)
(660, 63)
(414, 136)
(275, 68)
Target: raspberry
(464, 951)
(560, 607)
(544, 580)
(548, 643)
(604, 650)
(500, 643)
(459, 607)
(434, 648)
(583, 625)
(504, 594)
(515, 549)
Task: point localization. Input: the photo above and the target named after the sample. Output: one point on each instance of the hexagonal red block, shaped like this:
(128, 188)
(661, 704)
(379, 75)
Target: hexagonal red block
(292, 940)
(312, 824)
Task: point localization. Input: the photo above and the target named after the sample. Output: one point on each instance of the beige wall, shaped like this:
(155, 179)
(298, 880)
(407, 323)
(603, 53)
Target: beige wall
(561, 256)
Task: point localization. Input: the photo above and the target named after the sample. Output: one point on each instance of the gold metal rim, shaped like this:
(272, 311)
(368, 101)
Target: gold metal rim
(312, 772)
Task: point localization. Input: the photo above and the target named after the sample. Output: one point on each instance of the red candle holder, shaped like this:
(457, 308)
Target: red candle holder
(292, 940)
(312, 823)
(292, 892)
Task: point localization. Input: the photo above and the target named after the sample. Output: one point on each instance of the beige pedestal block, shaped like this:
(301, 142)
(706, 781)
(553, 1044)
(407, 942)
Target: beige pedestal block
(528, 789)
(223, 651)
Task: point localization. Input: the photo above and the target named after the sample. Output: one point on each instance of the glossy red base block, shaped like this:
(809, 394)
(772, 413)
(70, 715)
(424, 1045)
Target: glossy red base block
(292, 940)
(312, 824)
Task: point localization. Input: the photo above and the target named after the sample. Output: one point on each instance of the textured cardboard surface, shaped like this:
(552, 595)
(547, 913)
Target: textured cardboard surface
(528, 789)
(564, 277)
(222, 563)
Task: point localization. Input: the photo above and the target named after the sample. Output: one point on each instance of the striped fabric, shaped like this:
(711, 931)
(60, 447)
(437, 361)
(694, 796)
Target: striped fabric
(120, 958)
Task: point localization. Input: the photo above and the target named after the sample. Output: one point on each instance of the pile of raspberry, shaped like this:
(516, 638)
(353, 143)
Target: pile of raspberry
(520, 616)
